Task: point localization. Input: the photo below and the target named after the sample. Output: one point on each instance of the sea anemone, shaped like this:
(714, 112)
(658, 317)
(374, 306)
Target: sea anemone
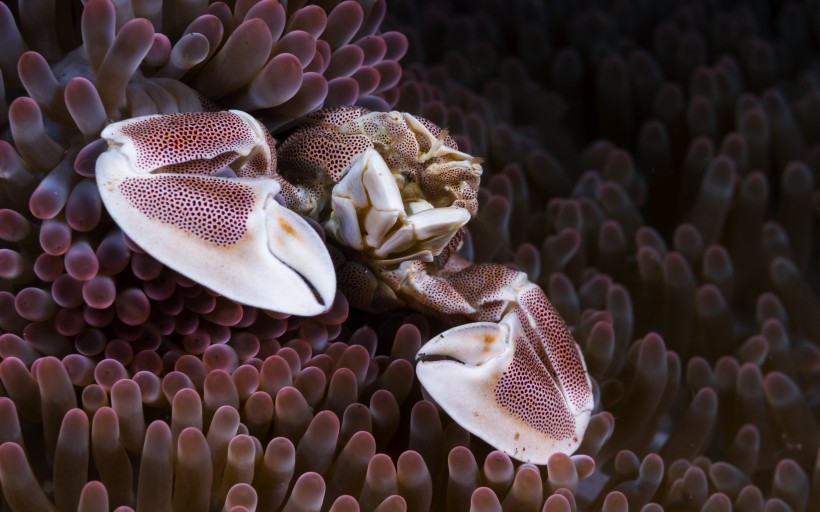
(654, 168)
(75, 282)
(643, 168)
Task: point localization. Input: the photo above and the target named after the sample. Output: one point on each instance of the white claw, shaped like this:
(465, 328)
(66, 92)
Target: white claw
(465, 346)
(377, 223)
(379, 182)
(115, 134)
(295, 243)
(343, 223)
(228, 234)
(369, 215)
(521, 385)
(367, 189)
(428, 230)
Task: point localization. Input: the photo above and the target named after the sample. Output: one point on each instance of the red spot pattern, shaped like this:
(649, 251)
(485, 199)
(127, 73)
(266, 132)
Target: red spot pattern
(546, 383)
(357, 283)
(527, 388)
(443, 181)
(202, 167)
(384, 129)
(317, 152)
(465, 293)
(321, 152)
(558, 347)
(546, 370)
(213, 209)
(187, 138)
(365, 290)
(486, 287)
(468, 195)
(258, 164)
(333, 117)
(441, 295)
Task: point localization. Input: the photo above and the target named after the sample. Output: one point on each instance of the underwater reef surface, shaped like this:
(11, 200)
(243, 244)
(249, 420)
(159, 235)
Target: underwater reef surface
(654, 166)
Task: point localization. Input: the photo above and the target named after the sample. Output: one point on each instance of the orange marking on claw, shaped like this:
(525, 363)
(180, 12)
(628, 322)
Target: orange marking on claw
(287, 227)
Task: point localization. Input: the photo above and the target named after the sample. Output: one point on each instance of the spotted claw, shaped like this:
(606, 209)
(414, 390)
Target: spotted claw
(196, 192)
(519, 384)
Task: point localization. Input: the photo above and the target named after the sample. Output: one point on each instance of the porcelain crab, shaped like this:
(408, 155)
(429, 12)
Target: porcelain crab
(207, 195)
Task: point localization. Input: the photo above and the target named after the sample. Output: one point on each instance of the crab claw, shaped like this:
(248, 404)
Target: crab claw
(162, 182)
(370, 215)
(520, 384)
(194, 143)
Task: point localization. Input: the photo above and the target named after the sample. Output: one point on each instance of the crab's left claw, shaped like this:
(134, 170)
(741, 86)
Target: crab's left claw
(194, 191)
(520, 384)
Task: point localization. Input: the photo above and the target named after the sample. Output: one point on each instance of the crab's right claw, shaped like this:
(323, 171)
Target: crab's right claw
(161, 181)
(520, 385)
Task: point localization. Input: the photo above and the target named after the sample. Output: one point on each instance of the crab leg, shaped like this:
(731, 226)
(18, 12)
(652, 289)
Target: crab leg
(516, 377)
(196, 191)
